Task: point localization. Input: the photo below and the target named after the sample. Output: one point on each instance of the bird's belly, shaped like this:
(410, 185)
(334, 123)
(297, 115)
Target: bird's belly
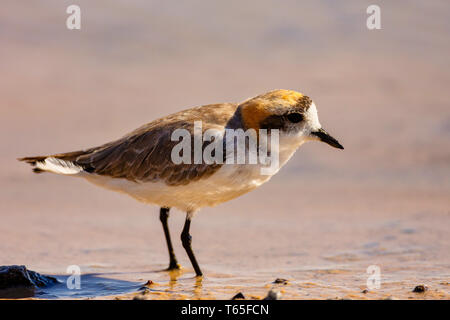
(229, 182)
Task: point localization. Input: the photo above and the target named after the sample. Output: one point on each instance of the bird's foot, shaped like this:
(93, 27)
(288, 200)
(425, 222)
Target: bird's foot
(173, 266)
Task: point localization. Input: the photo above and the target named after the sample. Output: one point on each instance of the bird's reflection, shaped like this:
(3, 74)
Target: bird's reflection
(174, 284)
(174, 275)
(198, 286)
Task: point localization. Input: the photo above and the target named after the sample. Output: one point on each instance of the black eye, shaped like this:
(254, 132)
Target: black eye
(295, 117)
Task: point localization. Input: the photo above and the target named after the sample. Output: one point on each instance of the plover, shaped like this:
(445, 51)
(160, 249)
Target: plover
(140, 163)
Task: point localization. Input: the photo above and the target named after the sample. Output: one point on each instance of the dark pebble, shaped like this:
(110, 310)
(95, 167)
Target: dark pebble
(281, 281)
(273, 295)
(420, 288)
(146, 285)
(238, 296)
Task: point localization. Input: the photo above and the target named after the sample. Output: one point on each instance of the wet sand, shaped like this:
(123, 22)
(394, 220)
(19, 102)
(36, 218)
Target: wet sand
(320, 223)
(322, 249)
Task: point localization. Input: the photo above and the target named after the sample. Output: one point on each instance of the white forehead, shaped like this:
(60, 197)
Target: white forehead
(312, 117)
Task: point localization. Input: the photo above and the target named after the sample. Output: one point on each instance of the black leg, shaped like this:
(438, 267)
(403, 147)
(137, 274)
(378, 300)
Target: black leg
(163, 216)
(186, 240)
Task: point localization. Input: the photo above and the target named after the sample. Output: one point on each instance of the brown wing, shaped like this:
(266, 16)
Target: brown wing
(145, 154)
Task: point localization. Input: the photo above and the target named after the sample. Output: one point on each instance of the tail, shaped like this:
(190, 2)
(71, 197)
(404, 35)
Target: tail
(63, 163)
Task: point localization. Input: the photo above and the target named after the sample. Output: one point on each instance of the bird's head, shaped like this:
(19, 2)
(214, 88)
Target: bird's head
(291, 112)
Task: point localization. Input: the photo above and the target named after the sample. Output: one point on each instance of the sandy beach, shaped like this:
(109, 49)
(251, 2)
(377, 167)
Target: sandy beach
(319, 223)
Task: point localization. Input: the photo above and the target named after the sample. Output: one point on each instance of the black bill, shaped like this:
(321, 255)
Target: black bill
(325, 137)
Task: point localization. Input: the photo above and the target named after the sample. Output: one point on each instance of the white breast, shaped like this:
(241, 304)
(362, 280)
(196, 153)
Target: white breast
(229, 182)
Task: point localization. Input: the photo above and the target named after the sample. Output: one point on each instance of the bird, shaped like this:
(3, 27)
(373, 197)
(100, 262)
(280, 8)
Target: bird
(140, 164)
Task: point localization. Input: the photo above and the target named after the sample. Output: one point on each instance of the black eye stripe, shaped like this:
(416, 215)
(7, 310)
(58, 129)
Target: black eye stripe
(294, 117)
(273, 122)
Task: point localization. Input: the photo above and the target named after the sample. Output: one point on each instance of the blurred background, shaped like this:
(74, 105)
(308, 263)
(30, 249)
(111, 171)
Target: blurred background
(328, 215)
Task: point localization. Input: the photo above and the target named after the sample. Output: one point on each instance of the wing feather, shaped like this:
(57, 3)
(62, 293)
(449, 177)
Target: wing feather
(145, 154)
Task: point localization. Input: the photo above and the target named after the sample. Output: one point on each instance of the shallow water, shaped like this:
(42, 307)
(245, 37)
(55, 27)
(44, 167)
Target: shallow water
(338, 283)
(94, 285)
